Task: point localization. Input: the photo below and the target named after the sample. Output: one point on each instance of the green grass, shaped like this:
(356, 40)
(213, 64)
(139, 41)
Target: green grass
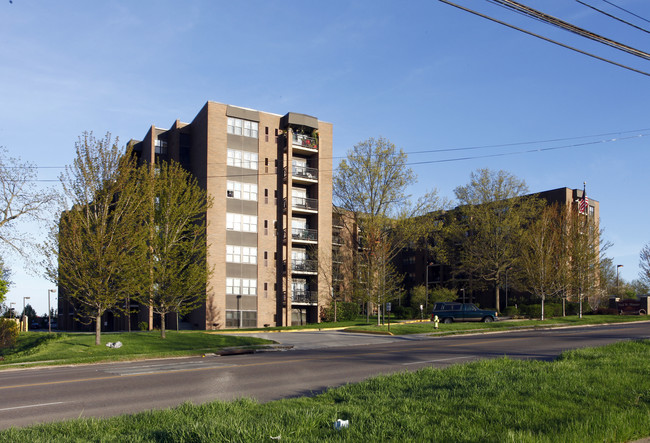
(64, 348)
(464, 327)
(587, 395)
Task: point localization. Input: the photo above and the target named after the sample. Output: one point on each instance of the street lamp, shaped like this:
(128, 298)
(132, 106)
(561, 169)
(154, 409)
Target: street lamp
(49, 310)
(23, 317)
(463, 291)
(617, 291)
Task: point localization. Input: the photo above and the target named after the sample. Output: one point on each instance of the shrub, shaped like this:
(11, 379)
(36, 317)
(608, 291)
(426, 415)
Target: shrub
(143, 326)
(8, 332)
(511, 311)
(345, 311)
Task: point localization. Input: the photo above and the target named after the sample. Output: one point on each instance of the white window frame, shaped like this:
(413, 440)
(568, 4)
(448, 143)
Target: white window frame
(241, 191)
(241, 222)
(242, 159)
(241, 286)
(247, 128)
(241, 254)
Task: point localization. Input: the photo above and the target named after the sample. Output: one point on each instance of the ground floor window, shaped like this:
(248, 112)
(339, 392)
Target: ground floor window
(248, 319)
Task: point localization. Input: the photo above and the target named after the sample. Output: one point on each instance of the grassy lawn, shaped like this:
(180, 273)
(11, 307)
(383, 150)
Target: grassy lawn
(587, 395)
(464, 327)
(64, 348)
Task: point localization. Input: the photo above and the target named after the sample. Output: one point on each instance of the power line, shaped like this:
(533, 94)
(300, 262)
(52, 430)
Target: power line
(549, 19)
(625, 10)
(620, 65)
(614, 17)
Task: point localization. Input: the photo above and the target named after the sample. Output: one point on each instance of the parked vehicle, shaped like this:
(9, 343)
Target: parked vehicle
(450, 312)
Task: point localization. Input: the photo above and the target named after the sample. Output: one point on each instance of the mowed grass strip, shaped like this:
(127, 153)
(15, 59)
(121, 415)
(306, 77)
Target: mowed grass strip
(587, 395)
(399, 328)
(64, 348)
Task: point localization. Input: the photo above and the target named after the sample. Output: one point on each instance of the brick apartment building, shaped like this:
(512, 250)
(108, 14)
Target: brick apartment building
(270, 226)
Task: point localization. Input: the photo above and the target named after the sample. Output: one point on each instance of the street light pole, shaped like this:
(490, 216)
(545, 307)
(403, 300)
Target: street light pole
(24, 328)
(463, 290)
(49, 310)
(426, 286)
(618, 293)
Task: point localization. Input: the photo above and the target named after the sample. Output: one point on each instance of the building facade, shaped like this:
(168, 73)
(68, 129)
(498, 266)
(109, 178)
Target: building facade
(270, 227)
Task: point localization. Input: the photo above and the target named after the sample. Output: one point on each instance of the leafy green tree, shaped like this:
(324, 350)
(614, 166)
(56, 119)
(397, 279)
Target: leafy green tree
(584, 250)
(443, 294)
(101, 243)
(178, 246)
(640, 288)
(487, 232)
(370, 185)
(541, 253)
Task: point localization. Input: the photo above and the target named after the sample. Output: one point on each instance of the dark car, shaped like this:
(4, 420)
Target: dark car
(448, 312)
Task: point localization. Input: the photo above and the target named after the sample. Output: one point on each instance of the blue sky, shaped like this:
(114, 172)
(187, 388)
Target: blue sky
(423, 74)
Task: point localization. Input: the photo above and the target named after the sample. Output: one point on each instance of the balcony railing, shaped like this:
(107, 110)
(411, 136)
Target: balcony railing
(304, 296)
(303, 234)
(301, 203)
(304, 265)
(302, 172)
(305, 141)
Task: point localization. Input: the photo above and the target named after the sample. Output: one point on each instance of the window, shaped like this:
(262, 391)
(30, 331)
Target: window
(591, 210)
(248, 319)
(241, 222)
(241, 286)
(241, 254)
(246, 128)
(241, 159)
(241, 191)
(161, 147)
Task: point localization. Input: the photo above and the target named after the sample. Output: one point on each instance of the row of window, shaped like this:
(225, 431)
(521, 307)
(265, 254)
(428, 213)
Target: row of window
(242, 159)
(241, 254)
(241, 222)
(247, 128)
(241, 286)
(241, 191)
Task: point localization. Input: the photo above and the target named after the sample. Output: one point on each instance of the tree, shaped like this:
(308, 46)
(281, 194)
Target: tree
(584, 250)
(178, 248)
(541, 253)
(490, 224)
(640, 288)
(370, 186)
(644, 264)
(4, 281)
(21, 200)
(101, 243)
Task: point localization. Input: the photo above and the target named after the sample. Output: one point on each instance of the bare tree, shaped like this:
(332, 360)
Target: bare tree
(21, 200)
(644, 264)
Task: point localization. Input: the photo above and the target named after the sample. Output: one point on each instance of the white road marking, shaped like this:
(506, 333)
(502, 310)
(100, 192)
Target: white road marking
(435, 361)
(31, 406)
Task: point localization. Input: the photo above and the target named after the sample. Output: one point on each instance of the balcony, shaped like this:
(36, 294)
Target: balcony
(304, 266)
(305, 142)
(302, 204)
(302, 174)
(303, 235)
(305, 297)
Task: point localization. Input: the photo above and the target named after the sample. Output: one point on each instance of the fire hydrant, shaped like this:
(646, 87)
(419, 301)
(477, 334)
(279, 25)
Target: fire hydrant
(436, 320)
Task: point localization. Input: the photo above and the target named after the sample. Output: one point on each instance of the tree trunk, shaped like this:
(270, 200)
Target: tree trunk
(98, 330)
(162, 326)
(543, 308)
(496, 298)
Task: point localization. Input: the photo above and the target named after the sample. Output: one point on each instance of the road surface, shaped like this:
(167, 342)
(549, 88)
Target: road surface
(320, 360)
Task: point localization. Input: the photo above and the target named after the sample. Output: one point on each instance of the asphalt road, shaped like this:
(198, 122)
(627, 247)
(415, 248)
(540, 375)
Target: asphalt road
(318, 361)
